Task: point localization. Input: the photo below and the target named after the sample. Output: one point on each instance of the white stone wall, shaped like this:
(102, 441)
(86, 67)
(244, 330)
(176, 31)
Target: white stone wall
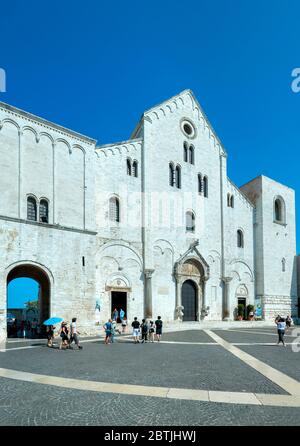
(163, 143)
(274, 242)
(119, 245)
(59, 253)
(41, 159)
(239, 261)
(44, 160)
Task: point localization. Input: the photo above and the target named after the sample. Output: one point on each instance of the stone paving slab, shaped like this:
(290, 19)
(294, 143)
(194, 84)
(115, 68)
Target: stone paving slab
(30, 404)
(168, 365)
(187, 336)
(279, 357)
(232, 337)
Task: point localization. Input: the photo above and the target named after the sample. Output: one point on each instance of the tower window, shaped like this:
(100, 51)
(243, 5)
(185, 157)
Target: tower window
(31, 209)
(190, 222)
(240, 239)
(178, 177)
(114, 209)
(44, 211)
(171, 174)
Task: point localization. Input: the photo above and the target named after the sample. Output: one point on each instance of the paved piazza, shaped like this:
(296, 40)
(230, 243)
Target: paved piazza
(194, 377)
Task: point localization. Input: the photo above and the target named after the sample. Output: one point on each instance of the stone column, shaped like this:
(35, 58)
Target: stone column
(204, 303)
(226, 303)
(178, 306)
(148, 293)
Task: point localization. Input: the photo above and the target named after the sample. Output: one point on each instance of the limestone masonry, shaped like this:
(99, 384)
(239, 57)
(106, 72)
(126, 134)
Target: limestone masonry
(152, 225)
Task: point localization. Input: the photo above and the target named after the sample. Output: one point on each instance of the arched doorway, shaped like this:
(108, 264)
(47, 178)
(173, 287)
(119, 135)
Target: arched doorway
(189, 300)
(40, 310)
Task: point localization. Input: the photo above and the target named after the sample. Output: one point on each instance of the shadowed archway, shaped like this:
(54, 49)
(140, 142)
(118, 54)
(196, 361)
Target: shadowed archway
(36, 273)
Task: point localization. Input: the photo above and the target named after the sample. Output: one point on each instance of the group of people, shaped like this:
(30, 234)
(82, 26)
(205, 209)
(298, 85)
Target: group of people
(140, 331)
(283, 325)
(67, 334)
(25, 329)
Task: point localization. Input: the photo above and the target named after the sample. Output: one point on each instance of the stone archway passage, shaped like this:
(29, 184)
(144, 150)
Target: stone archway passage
(189, 301)
(34, 272)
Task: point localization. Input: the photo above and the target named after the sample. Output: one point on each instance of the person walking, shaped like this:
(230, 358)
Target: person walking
(107, 327)
(144, 329)
(158, 325)
(281, 330)
(151, 331)
(288, 322)
(122, 314)
(74, 334)
(50, 335)
(115, 315)
(136, 330)
(64, 334)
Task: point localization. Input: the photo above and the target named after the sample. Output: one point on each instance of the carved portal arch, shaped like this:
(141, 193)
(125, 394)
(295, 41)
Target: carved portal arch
(191, 266)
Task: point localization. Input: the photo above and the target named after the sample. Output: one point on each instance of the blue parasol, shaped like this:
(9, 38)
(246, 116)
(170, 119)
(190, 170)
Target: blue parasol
(53, 321)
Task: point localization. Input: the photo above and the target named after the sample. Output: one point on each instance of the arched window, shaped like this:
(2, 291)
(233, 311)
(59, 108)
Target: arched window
(114, 209)
(185, 151)
(135, 169)
(128, 166)
(171, 174)
(191, 154)
(200, 185)
(178, 177)
(190, 222)
(232, 201)
(283, 262)
(240, 239)
(31, 209)
(44, 211)
(279, 210)
(205, 186)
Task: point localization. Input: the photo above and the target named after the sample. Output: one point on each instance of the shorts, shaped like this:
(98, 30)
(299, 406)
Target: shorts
(158, 331)
(136, 332)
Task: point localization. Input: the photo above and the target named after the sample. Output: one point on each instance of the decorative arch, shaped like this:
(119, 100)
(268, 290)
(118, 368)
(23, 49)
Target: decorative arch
(39, 273)
(238, 262)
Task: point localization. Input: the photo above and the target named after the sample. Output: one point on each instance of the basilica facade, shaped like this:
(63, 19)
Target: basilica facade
(152, 225)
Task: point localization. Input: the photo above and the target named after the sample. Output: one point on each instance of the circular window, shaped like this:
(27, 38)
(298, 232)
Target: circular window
(188, 128)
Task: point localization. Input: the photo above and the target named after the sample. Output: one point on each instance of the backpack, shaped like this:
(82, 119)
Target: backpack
(158, 323)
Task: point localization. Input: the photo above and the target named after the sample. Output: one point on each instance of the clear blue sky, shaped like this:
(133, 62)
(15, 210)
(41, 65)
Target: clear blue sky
(95, 66)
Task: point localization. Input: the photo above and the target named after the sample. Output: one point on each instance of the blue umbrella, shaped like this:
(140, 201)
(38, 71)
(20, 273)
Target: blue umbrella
(53, 321)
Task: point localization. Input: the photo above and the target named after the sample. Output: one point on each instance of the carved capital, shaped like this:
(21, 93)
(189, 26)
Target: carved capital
(148, 273)
(226, 279)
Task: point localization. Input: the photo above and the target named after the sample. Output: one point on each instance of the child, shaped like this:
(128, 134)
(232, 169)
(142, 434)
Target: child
(151, 331)
(124, 324)
(50, 335)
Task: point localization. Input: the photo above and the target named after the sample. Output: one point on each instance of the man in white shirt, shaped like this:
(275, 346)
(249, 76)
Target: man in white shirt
(74, 333)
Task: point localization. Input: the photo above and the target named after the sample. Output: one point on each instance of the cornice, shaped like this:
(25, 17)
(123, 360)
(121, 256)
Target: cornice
(240, 193)
(176, 102)
(118, 148)
(33, 119)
